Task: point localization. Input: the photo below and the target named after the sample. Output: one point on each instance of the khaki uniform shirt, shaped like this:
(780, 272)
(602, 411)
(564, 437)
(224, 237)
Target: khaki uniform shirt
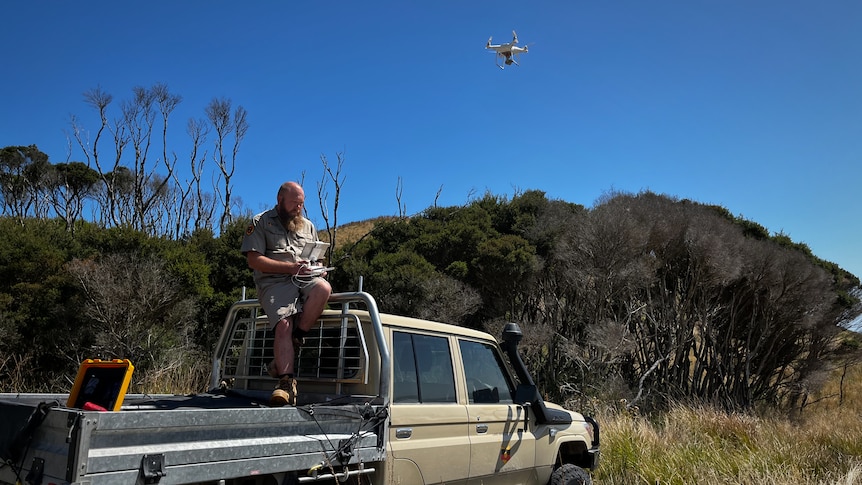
(280, 295)
(268, 236)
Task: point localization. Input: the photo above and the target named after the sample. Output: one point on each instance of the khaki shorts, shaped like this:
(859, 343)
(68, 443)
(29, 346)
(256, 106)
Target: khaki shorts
(283, 297)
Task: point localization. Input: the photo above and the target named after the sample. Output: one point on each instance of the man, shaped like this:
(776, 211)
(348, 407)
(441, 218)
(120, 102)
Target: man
(292, 298)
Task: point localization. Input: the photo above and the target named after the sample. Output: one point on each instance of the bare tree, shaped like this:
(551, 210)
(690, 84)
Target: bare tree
(149, 187)
(191, 208)
(168, 192)
(141, 187)
(226, 126)
(323, 196)
(203, 202)
(399, 191)
(130, 193)
(108, 202)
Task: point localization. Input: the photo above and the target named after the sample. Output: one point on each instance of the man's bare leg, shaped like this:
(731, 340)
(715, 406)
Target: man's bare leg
(312, 307)
(283, 346)
(285, 391)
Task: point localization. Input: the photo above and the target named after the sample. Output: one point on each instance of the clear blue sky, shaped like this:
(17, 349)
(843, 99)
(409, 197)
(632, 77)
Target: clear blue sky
(752, 105)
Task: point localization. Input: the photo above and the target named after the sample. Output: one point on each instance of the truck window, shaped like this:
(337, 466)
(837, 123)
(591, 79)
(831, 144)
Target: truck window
(484, 371)
(422, 368)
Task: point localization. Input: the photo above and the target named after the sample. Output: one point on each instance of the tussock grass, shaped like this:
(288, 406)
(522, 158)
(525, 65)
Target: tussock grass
(820, 445)
(180, 373)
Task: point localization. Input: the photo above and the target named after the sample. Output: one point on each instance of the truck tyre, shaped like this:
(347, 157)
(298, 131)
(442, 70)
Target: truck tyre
(569, 474)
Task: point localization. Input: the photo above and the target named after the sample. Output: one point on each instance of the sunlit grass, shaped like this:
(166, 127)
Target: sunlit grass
(820, 445)
(181, 373)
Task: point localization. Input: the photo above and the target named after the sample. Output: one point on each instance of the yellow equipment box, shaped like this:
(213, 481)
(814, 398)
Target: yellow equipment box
(101, 384)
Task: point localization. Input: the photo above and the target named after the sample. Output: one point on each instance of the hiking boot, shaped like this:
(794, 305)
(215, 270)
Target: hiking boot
(284, 393)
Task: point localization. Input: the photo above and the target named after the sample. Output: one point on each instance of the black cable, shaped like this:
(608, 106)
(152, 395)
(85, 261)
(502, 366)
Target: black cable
(14, 469)
(364, 418)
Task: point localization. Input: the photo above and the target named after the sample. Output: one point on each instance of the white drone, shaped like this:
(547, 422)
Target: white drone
(509, 51)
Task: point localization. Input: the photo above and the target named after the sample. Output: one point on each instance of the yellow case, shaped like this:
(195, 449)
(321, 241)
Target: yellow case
(102, 383)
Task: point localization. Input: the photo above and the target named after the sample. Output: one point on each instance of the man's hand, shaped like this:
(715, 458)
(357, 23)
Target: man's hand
(305, 268)
(266, 264)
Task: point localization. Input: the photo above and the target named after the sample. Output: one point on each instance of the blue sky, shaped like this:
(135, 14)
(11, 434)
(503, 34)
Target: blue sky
(755, 106)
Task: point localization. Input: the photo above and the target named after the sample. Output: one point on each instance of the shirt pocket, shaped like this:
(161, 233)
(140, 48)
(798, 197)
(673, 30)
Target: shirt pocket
(276, 240)
(303, 238)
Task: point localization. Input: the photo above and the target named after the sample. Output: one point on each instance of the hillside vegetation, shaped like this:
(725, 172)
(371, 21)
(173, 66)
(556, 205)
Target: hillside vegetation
(643, 297)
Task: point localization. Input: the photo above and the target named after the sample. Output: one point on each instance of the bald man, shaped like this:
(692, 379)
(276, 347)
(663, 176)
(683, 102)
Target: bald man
(292, 298)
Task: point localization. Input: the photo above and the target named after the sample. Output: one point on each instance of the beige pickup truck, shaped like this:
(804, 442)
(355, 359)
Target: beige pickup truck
(383, 399)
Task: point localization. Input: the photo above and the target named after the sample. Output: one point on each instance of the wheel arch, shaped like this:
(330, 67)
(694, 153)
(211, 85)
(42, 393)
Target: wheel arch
(574, 451)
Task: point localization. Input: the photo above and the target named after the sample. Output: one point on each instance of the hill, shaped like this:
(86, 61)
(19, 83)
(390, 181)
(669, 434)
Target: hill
(348, 234)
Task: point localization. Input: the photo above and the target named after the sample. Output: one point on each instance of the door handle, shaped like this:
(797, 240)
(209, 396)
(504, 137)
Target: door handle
(481, 428)
(403, 433)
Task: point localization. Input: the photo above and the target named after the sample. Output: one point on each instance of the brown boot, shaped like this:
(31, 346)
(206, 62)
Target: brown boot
(284, 393)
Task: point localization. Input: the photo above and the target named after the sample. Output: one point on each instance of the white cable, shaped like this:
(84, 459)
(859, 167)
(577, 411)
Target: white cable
(301, 281)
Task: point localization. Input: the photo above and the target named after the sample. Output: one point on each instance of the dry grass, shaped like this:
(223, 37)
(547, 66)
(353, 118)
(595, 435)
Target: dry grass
(688, 445)
(179, 373)
(354, 231)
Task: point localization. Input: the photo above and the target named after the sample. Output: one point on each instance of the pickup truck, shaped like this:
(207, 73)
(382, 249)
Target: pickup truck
(383, 399)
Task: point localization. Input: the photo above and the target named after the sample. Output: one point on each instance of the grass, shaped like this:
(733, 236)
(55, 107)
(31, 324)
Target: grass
(820, 445)
(178, 373)
(354, 231)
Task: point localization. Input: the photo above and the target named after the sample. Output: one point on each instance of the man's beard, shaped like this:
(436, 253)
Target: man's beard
(295, 224)
(292, 224)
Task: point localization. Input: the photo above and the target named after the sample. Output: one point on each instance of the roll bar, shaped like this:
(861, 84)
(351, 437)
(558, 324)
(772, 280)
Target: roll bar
(344, 299)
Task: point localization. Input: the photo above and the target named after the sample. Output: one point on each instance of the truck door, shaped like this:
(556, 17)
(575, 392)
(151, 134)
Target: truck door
(502, 448)
(428, 427)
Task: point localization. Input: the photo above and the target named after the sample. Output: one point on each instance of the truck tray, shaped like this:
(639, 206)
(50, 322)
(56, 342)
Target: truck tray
(219, 434)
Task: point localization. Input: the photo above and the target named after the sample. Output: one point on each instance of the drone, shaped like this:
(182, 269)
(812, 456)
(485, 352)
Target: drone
(509, 51)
